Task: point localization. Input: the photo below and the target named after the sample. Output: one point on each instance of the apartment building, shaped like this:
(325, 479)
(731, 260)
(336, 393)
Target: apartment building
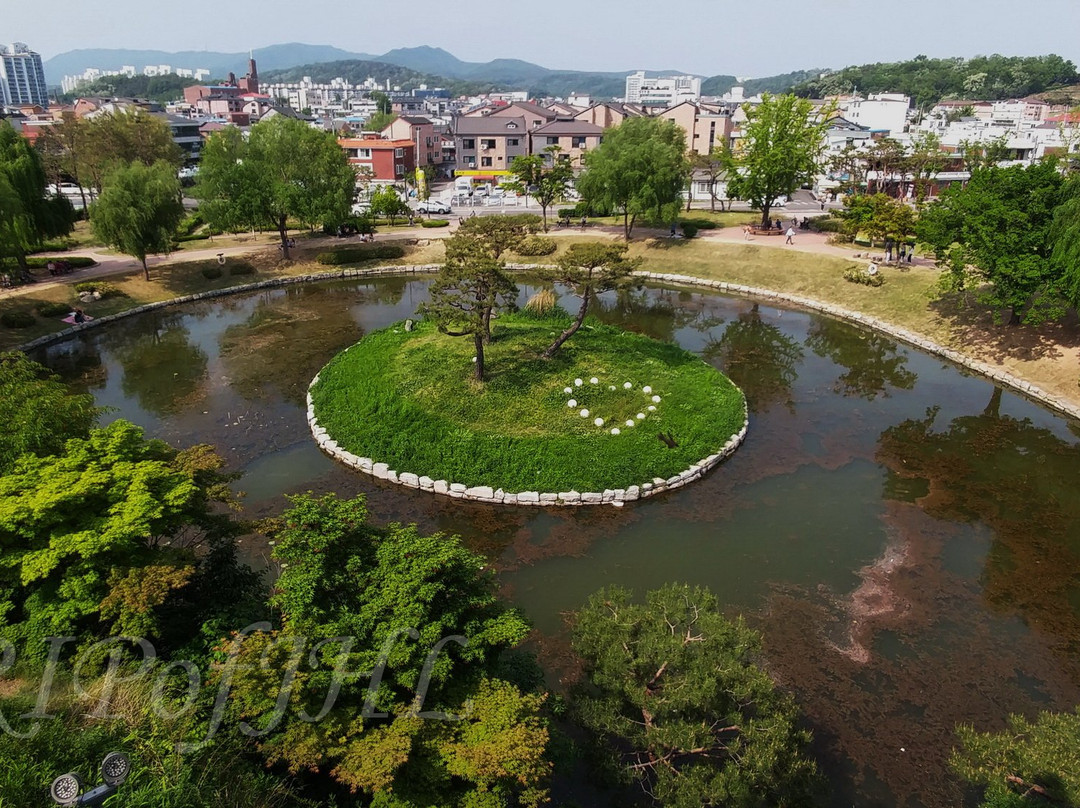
(609, 114)
(533, 114)
(707, 127)
(388, 161)
(22, 78)
(421, 131)
(485, 146)
(661, 91)
(573, 137)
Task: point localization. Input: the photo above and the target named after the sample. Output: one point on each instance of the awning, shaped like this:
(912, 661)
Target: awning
(490, 174)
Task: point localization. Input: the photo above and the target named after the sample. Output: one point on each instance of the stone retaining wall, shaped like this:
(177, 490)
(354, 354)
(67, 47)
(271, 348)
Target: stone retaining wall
(482, 493)
(996, 374)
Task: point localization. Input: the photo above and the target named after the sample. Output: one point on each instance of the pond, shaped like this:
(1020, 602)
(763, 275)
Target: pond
(905, 535)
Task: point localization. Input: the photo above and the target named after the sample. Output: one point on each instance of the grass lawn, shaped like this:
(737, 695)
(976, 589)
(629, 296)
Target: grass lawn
(408, 399)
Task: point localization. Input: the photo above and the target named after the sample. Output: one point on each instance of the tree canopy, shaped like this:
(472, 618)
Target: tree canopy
(546, 176)
(639, 170)
(680, 707)
(139, 210)
(285, 169)
(780, 150)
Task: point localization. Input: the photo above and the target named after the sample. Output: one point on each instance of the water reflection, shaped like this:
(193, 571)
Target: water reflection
(872, 363)
(161, 368)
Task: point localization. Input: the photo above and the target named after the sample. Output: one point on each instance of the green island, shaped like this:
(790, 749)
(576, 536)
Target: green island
(405, 398)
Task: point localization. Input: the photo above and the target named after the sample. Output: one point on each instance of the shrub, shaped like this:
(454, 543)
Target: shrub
(434, 222)
(856, 275)
(689, 229)
(541, 304)
(367, 252)
(17, 319)
(103, 289)
(536, 245)
(840, 238)
(568, 213)
(827, 224)
(700, 223)
(53, 309)
(74, 261)
(241, 268)
(212, 273)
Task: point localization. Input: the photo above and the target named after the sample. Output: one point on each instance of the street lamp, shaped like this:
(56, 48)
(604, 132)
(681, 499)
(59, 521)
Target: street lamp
(67, 788)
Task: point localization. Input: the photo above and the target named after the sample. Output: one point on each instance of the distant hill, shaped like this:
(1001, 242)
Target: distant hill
(927, 81)
(162, 89)
(219, 64)
(358, 70)
(718, 85)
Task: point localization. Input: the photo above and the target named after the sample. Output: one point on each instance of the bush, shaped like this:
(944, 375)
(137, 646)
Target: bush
(53, 309)
(700, 223)
(568, 213)
(17, 319)
(367, 252)
(827, 224)
(536, 245)
(241, 268)
(74, 261)
(434, 222)
(103, 289)
(856, 275)
(212, 273)
(840, 238)
(689, 229)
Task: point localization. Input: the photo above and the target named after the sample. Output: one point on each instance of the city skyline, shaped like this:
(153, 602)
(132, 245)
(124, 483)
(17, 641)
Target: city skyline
(708, 38)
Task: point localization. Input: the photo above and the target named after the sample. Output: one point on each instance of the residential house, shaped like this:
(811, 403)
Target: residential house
(388, 161)
(707, 127)
(534, 114)
(608, 114)
(421, 131)
(572, 136)
(485, 146)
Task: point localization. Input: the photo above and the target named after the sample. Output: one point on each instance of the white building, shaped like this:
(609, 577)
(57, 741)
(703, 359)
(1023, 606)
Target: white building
(665, 91)
(881, 112)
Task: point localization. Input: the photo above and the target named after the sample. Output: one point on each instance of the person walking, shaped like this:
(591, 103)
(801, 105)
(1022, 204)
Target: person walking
(888, 250)
(790, 235)
(902, 252)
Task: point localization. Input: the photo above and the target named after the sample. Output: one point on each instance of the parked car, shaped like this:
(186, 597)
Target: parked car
(432, 206)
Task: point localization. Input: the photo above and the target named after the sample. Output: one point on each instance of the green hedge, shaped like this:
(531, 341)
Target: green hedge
(827, 224)
(53, 309)
(17, 319)
(366, 252)
(103, 288)
(700, 223)
(536, 245)
(212, 273)
(434, 222)
(74, 261)
(689, 229)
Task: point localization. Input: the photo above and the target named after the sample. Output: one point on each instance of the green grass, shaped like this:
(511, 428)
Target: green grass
(408, 399)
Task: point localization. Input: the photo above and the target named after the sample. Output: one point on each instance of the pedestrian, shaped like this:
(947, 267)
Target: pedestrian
(888, 250)
(902, 253)
(672, 234)
(779, 226)
(790, 234)
(823, 204)
(746, 232)
(910, 253)
(584, 221)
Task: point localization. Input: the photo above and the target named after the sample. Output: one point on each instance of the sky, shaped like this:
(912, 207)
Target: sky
(708, 37)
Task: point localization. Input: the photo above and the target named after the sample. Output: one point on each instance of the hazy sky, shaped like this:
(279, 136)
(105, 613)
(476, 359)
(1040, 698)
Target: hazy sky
(700, 36)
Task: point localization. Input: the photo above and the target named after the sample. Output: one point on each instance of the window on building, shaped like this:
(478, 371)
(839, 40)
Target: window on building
(578, 143)
(399, 153)
(553, 141)
(399, 170)
(468, 143)
(512, 141)
(487, 143)
(485, 161)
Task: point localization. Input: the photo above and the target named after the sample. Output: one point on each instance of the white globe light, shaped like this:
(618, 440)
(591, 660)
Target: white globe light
(571, 403)
(656, 399)
(594, 380)
(578, 382)
(640, 416)
(627, 385)
(599, 422)
(615, 430)
(646, 389)
(611, 387)
(584, 413)
(474, 359)
(568, 389)
(652, 408)
(629, 422)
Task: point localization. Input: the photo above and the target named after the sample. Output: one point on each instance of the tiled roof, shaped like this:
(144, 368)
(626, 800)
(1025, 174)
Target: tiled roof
(562, 127)
(490, 125)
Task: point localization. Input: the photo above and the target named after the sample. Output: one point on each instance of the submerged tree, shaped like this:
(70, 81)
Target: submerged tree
(679, 706)
(590, 269)
(470, 287)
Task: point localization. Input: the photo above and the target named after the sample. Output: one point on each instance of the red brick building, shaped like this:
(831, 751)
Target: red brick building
(388, 160)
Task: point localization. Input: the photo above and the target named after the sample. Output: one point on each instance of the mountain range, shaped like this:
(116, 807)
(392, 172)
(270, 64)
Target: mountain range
(431, 63)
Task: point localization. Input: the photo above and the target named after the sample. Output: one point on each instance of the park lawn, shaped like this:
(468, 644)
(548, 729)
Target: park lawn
(408, 399)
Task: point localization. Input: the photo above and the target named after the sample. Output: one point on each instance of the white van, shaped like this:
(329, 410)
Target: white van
(462, 185)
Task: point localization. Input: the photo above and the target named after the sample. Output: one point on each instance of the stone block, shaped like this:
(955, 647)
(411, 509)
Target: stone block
(379, 470)
(480, 492)
(591, 498)
(458, 488)
(425, 483)
(549, 497)
(392, 476)
(569, 497)
(409, 479)
(528, 496)
(440, 487)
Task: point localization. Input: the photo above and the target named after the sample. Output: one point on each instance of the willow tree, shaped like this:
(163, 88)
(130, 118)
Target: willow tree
(780, 150)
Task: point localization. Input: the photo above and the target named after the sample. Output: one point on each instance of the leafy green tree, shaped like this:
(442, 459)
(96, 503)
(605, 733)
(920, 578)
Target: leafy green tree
(546, 176)
(114, 139)
(118, 532)
(1030, 763)
(879, 216)
(379, 121)
(714, 166)
(590, 269)
(888, 160)
(640, 169)
(386, 202)
(500, 234)
(471, 285)
(925, 159)
(139, 210)
(27, 215)
(40, 413)
(994, 232)
(396, 595)
(984, 154)
(780, 150)
(849, 167)
(680, 707)
(1065, 239)
(285, 169)
(382, 101)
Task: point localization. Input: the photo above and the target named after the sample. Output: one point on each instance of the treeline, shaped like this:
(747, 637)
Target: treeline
(359, 70)
(162, 89)
(928, 81)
